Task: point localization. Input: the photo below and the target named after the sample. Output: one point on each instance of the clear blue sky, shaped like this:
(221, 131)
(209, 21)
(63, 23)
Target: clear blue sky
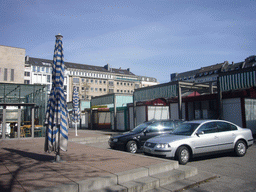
(151, 37)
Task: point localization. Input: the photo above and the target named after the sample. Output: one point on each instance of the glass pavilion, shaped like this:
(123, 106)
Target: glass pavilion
(22, 110)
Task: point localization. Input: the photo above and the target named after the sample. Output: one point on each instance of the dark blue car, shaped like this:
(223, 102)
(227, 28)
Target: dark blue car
(133, 140)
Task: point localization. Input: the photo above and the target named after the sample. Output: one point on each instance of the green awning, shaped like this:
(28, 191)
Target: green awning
(153, 92)
(242, 80)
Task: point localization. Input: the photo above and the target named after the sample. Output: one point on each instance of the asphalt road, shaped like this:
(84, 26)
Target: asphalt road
(234, 173)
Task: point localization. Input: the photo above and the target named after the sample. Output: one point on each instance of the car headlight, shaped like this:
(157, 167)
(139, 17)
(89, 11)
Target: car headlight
(163, 145)
(115, 140)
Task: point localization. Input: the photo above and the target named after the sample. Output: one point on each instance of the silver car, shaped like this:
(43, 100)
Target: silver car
(194, 138)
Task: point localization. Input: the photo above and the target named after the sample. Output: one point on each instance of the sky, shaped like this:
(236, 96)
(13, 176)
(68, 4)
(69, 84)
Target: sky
(153, 38)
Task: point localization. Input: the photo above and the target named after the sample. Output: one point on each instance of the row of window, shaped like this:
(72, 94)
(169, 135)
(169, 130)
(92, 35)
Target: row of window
(42, 69)
(124, 91)
(124, 83)
(5, 74)
(95, 81)
(97, 75)
(38, 78)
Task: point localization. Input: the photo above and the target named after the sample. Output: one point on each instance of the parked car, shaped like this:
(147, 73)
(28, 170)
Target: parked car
(134, 139)
(194, 138)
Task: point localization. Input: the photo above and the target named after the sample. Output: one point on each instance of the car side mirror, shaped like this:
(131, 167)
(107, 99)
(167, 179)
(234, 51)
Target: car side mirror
(199, 133)
(145, 131)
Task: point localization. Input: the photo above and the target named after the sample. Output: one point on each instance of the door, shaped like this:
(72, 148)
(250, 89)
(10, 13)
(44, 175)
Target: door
(226, 135)
(151, 131)
(207, 139)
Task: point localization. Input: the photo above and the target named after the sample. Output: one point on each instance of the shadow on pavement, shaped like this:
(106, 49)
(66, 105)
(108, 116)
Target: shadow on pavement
(35, 156)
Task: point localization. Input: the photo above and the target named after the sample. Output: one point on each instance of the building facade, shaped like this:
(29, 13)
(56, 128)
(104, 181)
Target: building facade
(90, 80)
(12, 61)
(209, 74)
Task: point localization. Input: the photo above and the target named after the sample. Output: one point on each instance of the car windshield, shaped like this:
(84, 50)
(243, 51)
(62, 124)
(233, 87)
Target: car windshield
(141, 127)
(186, 129)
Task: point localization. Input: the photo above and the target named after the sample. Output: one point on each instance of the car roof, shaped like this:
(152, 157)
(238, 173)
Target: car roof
(205, 120)
(158, 120)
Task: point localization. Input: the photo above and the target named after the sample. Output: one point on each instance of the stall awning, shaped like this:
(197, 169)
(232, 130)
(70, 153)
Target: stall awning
(241, 80)
(160, 91)
(121, 100)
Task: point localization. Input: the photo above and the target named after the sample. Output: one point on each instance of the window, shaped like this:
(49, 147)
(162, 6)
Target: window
(96, 89)
(168, 125)
(111, 90)
(5, 74)
(111, 83)
(222, 126)
(155, 127)
(100, 89)
(87, 80)
(87, 89)
(27, 74)
(47, 70)
(65, 87)
(34, 68)
(42, 69)
(91, 89)
(117, 83)
(124, 84)
(26, 81)
(82, 88)
(105, 90)
(77, 88)
(117, 90)
(137, 86)
(48, 78)
(76, 80)
(100, 81)
(208, 128)
(83, 80)
(38, 69)
(104, 82)
(12, 74)
(91, 80)
(48, 87)
(96, 81)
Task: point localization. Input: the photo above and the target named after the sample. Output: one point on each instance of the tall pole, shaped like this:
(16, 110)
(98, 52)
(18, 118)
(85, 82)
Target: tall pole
(219, 99)
(115, 120)
(179, 100)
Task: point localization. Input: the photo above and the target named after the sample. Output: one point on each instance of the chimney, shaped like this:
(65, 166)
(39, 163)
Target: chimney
(107, 67)
(128, 69)
(173, 76)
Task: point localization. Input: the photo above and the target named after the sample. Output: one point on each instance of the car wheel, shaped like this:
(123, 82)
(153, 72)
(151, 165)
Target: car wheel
(183, 155)
(131, 147)
(240, 148)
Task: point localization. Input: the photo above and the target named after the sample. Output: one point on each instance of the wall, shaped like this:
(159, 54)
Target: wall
(250, 114)
(12, 58)
(232, 111)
